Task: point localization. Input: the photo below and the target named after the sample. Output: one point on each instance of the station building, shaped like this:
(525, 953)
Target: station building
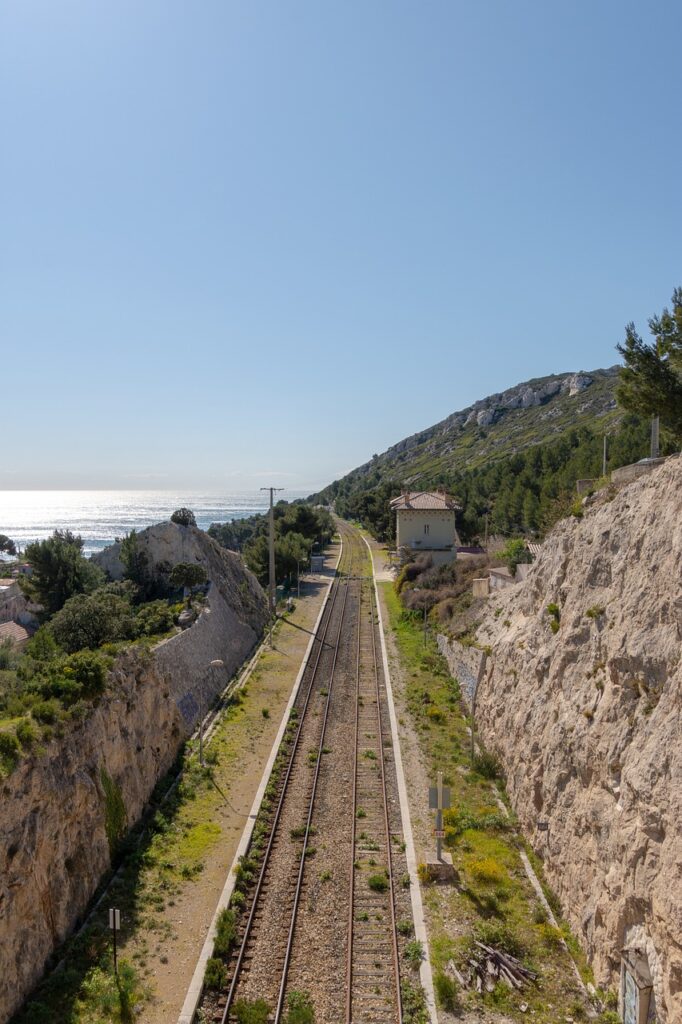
(425, 522)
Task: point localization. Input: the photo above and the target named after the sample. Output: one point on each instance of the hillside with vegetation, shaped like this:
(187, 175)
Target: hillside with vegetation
(513, 457)
(300, 530)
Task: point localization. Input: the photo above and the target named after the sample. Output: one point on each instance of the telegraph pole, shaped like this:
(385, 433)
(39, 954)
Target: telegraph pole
(272, 546)
(655, 425)
(603, 465)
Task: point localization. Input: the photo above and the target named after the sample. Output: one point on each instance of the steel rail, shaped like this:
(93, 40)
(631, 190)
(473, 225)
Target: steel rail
(311, 807)
(384, 793)
(266, 856)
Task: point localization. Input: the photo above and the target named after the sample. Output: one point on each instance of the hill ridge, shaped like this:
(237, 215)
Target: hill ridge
(539, 409)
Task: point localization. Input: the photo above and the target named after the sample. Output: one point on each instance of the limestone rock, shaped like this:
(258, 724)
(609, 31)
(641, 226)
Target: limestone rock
(54, 847)
(588, 722)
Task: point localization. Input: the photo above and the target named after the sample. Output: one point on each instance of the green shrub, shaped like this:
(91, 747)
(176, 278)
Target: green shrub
(104, 996)
(153, 618)
(89, 670)
(184, 517)
(378, 883)
(46, 710)
(414, 953)
(515, 553)
(10, 751)
(595, 612)
(226, 932)
(300, 1009)
(237, 900)
(27, 733)
(540, 914)
(447, 990)
(488, 871)
(554, 613)
(42, 646)
(495, 933)
(216, 974)
(551, 936)
(487, 765)
(414, 1003)
(246, 1011)
(89, 620)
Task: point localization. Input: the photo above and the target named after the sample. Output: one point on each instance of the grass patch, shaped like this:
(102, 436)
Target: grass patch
(494, 901)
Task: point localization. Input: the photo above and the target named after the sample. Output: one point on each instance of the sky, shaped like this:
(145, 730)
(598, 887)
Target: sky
(251, 243)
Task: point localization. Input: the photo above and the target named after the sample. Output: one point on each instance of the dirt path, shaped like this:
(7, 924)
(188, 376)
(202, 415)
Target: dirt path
(189, 862)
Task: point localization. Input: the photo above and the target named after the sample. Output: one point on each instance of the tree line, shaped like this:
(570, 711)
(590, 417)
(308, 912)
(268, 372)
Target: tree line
(299, 529)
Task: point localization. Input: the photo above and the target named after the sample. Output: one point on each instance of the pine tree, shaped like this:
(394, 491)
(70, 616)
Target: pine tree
(651, 380)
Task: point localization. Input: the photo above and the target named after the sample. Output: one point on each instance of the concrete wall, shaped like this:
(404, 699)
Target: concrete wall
(466, 664)
(501, 582)
(636, 469)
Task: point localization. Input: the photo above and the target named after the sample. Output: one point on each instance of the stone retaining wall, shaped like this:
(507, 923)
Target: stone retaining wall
(466, 664)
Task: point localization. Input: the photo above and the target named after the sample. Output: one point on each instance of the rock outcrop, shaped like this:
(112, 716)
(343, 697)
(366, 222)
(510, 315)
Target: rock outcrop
(56, 808)
(582, 700)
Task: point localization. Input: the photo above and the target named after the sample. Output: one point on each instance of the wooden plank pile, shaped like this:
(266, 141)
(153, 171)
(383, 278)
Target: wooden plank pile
(487, 967)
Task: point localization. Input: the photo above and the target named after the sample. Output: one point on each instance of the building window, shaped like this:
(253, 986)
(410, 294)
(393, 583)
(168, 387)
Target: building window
(426, 529)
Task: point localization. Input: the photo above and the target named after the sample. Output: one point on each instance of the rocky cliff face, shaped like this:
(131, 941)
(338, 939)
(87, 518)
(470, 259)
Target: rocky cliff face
(55, 809)
(587, 718)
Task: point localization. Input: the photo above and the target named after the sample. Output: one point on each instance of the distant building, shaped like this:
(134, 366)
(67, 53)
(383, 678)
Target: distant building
(425, 522)
(15, 633)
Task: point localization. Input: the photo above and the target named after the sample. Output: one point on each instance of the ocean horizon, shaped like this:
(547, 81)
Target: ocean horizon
(102, 517)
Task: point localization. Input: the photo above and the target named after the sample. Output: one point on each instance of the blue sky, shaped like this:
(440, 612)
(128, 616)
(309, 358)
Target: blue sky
(253, 242)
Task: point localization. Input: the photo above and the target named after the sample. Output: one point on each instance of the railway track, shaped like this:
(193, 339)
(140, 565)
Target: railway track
(318, 902)
(373, 967)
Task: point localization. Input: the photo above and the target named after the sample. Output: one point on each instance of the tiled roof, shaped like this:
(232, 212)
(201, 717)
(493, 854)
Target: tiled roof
(13, 631)
(435, 500)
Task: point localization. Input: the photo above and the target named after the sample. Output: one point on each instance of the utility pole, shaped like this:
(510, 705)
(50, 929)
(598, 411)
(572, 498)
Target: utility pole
(603, 465)
(655, 424)
(272, 546)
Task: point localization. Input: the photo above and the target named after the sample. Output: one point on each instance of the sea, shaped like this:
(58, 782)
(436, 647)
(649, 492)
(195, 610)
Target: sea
(101, 517)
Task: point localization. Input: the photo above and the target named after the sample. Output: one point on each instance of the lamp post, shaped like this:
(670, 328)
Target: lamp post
(216, 663)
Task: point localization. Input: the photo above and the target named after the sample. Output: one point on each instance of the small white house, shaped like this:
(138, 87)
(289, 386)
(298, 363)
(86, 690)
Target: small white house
(425, 521)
